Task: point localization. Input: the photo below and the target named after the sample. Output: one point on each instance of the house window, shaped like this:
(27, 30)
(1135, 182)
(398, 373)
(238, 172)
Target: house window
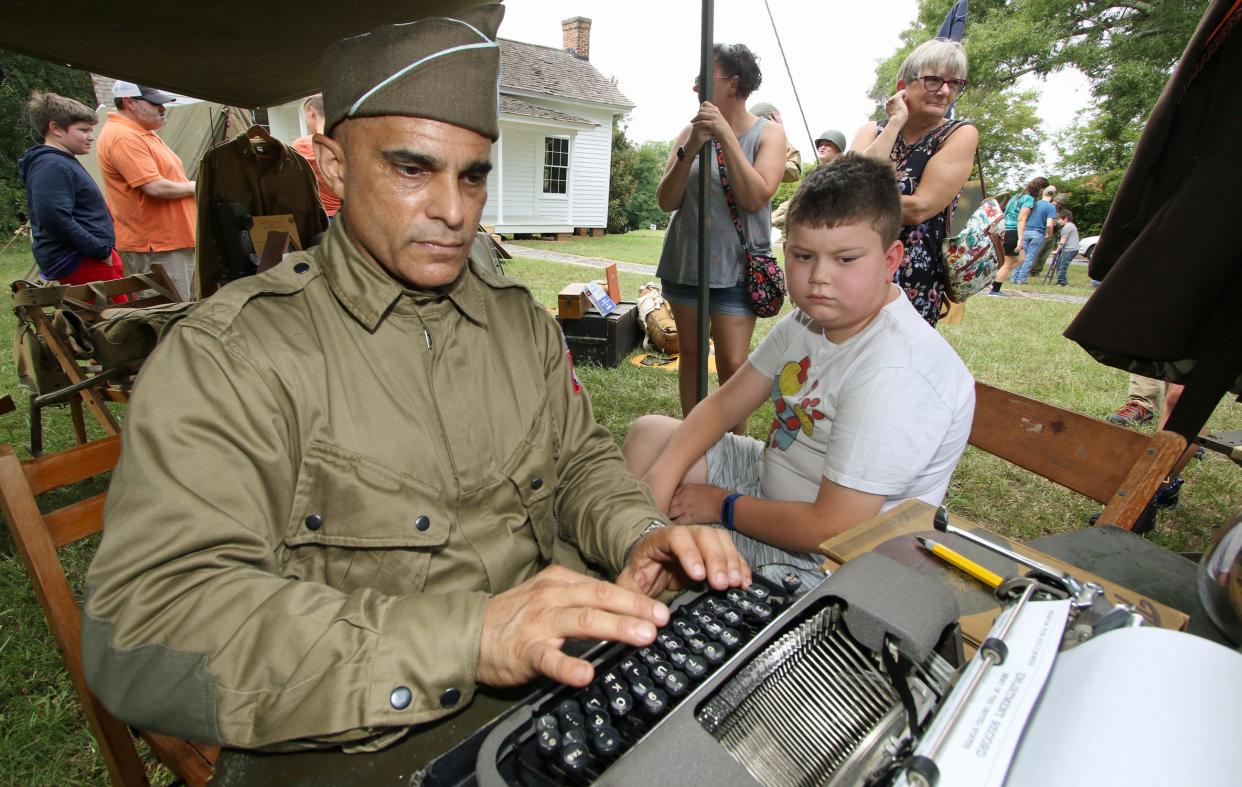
(555, 165)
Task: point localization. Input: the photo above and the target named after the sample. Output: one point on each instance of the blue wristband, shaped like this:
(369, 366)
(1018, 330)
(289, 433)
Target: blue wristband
(726, 510)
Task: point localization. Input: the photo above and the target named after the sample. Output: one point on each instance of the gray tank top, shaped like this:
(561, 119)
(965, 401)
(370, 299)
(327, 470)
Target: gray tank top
(679, 259)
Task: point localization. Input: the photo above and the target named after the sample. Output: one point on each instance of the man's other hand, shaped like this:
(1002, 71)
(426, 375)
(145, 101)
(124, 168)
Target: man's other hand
(525, 627)
(674, 557)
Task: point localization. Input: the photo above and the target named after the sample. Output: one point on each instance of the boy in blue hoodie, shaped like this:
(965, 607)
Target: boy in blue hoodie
(74, 237)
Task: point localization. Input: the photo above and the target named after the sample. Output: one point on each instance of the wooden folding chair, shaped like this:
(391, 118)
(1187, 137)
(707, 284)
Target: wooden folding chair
(1118, 467)
(37, 537)
(90, 387)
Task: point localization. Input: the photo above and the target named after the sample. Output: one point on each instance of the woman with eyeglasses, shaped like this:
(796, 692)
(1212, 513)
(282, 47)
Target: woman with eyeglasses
(933, 157)
(754, 155)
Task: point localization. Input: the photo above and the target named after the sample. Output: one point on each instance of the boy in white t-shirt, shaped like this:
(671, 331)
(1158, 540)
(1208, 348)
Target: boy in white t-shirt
(873, 406)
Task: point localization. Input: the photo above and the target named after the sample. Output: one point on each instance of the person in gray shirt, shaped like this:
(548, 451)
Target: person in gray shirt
(1067, 246)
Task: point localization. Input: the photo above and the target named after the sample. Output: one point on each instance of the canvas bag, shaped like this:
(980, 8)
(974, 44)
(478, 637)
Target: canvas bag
(657, 319)
(765, 281)
(972, 256)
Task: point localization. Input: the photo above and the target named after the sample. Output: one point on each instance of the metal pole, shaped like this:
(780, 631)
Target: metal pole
(706, 83)
(789, 73)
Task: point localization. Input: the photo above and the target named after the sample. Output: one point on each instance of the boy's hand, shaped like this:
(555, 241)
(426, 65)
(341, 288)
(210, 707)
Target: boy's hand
(696, 504)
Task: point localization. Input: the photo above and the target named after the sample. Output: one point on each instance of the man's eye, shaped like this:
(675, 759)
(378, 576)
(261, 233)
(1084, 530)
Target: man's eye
(409, 170)
(475, 179)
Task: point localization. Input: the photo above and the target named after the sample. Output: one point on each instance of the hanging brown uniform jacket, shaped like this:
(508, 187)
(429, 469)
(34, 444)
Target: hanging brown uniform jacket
(265, 177)
(1169, 255)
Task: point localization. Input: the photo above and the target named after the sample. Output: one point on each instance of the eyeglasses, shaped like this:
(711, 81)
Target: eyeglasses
(697, 81)
(932, 84)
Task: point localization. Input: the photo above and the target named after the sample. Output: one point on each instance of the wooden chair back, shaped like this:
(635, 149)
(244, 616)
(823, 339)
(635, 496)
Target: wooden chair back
(1118, 467)
(37, 537)
(87, 388)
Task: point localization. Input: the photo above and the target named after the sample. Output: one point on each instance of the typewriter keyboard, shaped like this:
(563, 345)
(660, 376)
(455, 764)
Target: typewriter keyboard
(576, 733)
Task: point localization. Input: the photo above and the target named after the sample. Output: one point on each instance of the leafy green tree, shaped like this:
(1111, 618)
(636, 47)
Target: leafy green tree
(622, 180)
(19, 75)
(644, 208)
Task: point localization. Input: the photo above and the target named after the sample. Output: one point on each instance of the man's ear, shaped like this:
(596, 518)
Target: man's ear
(893, 257)
(330, 156)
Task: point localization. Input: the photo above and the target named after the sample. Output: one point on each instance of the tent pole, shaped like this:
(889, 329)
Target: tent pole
(706, 163)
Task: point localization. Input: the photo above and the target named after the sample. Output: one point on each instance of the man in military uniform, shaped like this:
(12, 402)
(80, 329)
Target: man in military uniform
(345, 521)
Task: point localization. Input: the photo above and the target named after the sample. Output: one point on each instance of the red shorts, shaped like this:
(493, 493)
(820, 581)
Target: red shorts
(89, 270)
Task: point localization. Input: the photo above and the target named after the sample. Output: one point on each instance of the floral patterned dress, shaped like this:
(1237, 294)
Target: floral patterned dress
(921, 274)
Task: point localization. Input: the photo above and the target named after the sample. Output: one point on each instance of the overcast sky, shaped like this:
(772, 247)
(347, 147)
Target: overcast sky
(652, 48)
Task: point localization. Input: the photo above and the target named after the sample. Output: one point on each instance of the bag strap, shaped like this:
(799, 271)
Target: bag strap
(730, 200)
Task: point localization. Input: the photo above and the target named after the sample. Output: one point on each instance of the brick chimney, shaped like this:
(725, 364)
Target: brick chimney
(576, 36)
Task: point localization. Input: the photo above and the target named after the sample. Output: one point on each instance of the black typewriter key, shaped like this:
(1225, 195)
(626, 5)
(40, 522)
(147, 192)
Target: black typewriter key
(574, 757)
(730, 639)
(650, 656)
(640, 686)
(568, 706)
(758, 592)
(596, 719)
(713, 628)
(572, 720)
(715, 605)
(735, 595)
(700, 616)
(547, 741)
(791, 582)
(678, 657)
(606, 741)
(661, 671)
(620, 704)
(731, 617)
(670, 642)
(696, 644)
(760, 612)
(714, 652)
(635, 671)
(676, 683)
(685, 628)
(628, 663)
(574, 736)
(745, 604)
(547, 722)
(695, 667)
(593, 699)
(655, 702)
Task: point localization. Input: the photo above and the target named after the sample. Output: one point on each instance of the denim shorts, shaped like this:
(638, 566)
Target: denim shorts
(729, 301)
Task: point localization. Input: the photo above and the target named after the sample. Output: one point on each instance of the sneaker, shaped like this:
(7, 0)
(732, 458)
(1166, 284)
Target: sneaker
(1129, 414)
(1167, 495)
(996, 293)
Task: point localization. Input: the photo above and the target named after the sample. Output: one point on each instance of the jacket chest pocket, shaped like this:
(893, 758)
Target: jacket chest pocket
(531, 470)
(356, 524)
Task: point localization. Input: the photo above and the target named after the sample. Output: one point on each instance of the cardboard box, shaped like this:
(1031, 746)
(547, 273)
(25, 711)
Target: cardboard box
(572, 302)
(892, 534)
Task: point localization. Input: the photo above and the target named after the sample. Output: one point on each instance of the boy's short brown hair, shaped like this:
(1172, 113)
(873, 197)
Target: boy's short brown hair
(48, 108)
(1065, 213)
(850, 190)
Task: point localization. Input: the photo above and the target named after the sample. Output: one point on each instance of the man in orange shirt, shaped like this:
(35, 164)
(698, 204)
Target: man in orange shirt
(145, 186)
(312, 110)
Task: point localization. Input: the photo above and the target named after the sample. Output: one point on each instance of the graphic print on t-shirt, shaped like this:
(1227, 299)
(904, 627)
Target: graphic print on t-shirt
(796, 410)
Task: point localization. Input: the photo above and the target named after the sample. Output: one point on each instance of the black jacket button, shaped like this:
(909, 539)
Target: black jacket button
(422, 523)
(314, 522)
(536, 484)
(450, 697)
(301, 267)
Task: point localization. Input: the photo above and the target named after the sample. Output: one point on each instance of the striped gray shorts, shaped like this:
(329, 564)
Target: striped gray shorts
(733, 463)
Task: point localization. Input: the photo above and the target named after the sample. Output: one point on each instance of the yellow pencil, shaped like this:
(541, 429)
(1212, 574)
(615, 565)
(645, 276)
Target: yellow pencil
(989, 578)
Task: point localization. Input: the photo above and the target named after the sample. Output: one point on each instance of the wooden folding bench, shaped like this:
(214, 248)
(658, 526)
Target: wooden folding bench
(1118, 467)
(93, 388)
(38, 537)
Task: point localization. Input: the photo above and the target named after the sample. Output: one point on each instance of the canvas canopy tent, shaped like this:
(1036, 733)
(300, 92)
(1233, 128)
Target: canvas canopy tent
(240, 53)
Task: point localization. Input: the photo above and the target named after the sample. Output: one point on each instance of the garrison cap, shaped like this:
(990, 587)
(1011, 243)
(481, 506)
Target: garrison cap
(439, 68)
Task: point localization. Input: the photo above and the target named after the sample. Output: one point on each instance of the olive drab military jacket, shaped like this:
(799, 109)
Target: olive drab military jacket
(323, 478)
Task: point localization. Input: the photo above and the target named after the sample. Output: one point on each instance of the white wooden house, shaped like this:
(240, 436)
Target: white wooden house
(554, 155)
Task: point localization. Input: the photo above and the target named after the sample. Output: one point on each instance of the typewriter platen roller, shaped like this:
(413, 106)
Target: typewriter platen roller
(834, 689)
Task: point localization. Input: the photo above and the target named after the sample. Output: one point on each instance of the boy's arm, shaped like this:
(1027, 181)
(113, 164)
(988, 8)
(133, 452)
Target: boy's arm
(783, 523)
(707, 423)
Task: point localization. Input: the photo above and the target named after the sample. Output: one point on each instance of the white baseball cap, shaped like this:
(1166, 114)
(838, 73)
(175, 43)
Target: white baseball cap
(148, 94)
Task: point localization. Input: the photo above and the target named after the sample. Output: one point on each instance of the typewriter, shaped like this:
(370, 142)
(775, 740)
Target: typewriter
(774, 685)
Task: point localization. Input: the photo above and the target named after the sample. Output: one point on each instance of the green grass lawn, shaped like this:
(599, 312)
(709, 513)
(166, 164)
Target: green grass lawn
(1014, 343)
(637, 246)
